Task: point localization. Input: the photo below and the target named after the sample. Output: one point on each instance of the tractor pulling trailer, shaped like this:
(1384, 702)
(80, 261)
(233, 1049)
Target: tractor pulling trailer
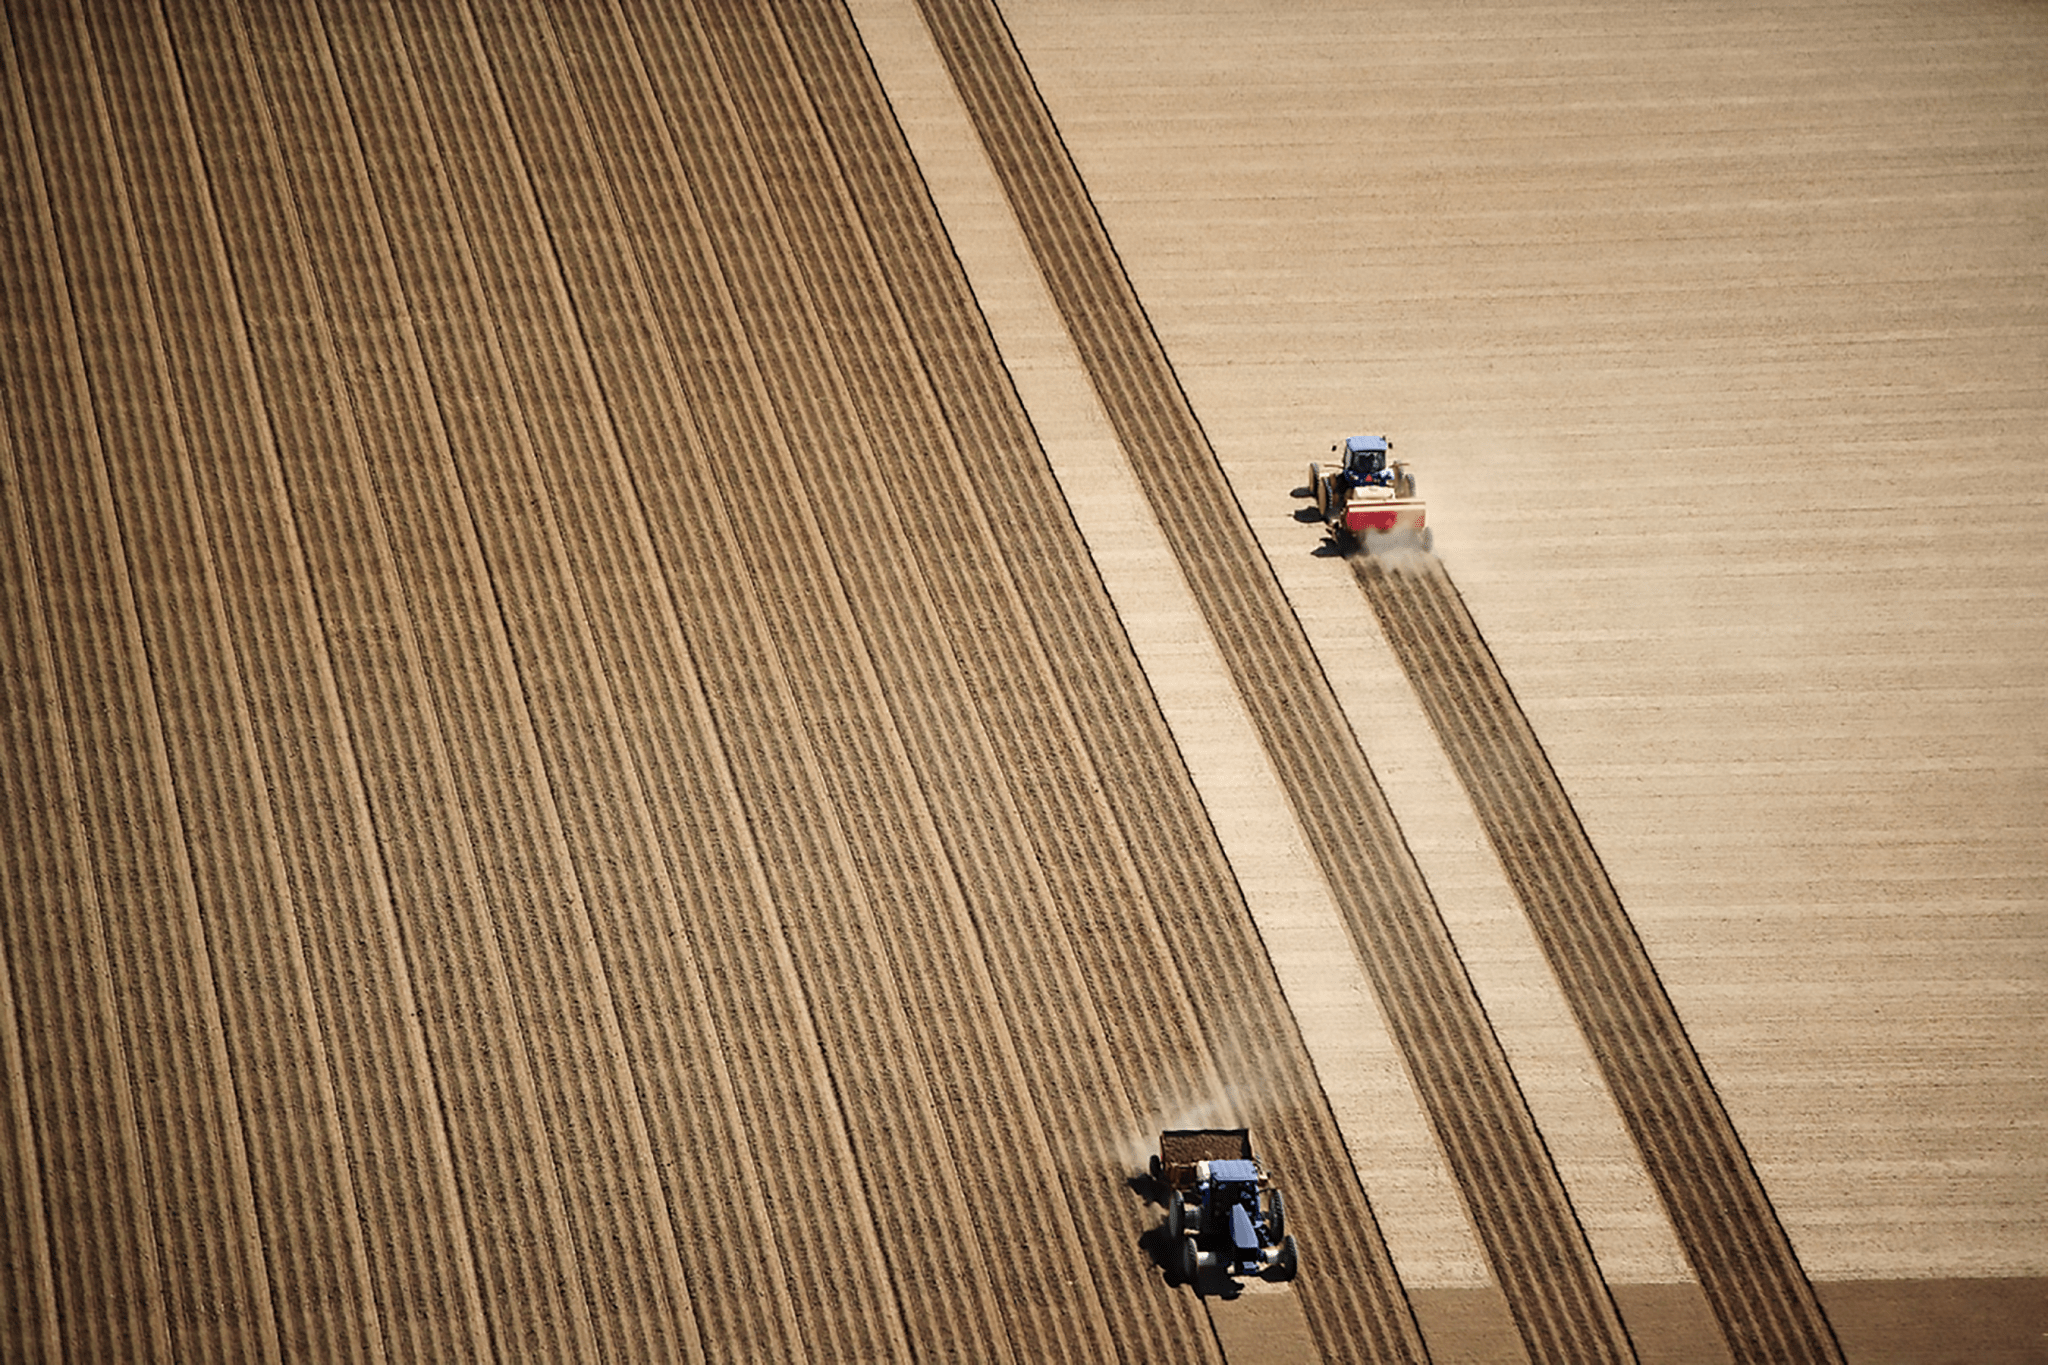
(1221, 1211)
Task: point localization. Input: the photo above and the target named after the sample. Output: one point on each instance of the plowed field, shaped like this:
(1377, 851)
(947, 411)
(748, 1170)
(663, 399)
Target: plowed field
(574, 790)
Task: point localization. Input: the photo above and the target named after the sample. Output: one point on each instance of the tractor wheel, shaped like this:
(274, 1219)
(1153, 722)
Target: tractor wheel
(1286, 1263)
(1276, 1217)
(1176, 1216)
(1187, 1263)
(1319, 489)
(1155, 1168)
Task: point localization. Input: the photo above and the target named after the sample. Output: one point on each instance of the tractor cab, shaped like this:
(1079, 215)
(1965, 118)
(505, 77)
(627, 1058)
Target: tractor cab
(1230, 1195)
(1365, 460)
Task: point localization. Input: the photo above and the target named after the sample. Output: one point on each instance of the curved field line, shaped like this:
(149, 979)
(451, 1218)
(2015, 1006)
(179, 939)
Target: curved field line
(1519, 1206)
(1723, 1217)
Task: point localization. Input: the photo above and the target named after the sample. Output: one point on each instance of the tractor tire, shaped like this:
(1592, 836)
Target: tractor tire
(1176, 1216)
(1187, 1261)
(1276, 1218)
(1320, 489)
(1287, 1263)
(1155, 1169)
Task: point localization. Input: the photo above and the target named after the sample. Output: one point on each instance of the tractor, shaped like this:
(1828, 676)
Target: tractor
(1222, 1213)
(1366, 495)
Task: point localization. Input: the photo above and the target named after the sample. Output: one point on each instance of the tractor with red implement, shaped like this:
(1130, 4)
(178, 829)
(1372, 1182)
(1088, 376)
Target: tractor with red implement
(1366, 498)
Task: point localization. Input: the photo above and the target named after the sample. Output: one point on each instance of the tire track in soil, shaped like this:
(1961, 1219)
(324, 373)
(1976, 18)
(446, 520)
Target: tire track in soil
(191, 1136)
(1767, 1308)
(514, 1204)
(965, 1081)
(396, 1174)
(1158, 835)
(1518, 1204)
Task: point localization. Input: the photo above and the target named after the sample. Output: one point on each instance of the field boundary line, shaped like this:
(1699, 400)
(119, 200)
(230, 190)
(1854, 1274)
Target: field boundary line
(1696, 1159)
(1524, 1215)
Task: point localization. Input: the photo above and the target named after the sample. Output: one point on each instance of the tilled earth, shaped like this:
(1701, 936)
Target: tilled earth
(573, 789)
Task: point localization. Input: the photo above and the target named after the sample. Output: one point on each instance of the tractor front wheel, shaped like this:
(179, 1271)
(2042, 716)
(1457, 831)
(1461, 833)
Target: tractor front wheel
(1188, 1263)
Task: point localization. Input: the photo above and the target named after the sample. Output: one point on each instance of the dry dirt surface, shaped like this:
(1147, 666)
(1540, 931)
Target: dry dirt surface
(574, 788)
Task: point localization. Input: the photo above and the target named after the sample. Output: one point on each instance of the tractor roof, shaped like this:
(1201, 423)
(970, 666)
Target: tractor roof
(1234, 1171)
(1358, 445)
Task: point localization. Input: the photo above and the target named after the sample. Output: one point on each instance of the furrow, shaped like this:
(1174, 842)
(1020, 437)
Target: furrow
(822, 870)
(191, 1136)
(1518, 1204)
(910, 611)
(906, 908)
(396, 1163)
(541, 433)
(514, 1201)
(75, 1070)
(539, 674)
(1746, 1264)
(270, 1031)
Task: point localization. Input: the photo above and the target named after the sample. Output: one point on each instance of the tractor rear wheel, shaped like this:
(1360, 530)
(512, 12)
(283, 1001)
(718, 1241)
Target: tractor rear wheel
(1176, 1215)
(1287, 1262)
(1188, 1261)
(1276, 1217)
(1319, 488)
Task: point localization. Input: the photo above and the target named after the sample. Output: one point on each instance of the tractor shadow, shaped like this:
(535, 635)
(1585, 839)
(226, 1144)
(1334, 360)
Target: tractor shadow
(1212, 1282)
(1328, 548)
